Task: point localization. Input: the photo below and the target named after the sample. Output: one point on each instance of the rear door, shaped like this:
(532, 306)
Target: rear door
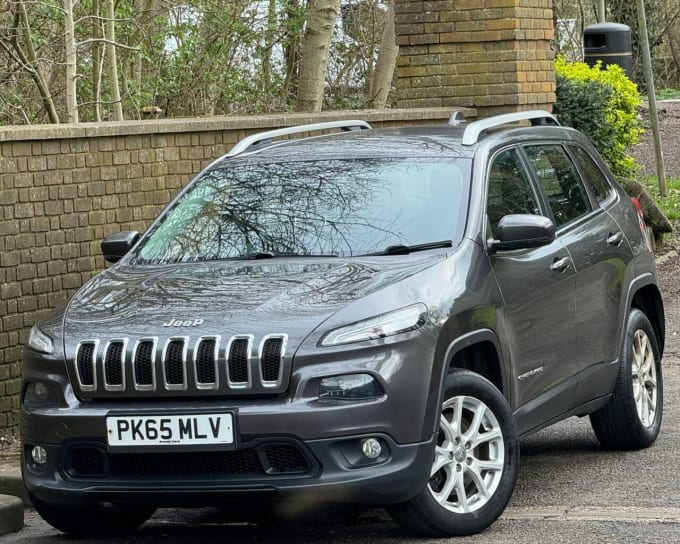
(600, 293)
(598, 250)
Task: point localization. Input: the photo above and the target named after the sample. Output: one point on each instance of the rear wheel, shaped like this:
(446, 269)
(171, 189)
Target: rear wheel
(632, 417)
(475, 464)
(109, 519)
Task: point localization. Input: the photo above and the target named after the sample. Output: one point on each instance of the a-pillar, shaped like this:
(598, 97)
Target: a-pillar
(493, 55)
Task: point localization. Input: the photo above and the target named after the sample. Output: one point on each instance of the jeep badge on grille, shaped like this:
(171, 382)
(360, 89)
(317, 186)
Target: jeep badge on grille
(183, 323)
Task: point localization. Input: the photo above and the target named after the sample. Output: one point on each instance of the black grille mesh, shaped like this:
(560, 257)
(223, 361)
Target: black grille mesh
(205, 361)
(143, 363)
(94, 462)
(85, 364)
(286, 458)
(113, 364)
(174, 365)
(86, 462)
(178, 465)
(238, 361)
(271, 359)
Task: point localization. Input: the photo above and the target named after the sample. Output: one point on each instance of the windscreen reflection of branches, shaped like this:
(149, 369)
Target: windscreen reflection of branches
(331, 207)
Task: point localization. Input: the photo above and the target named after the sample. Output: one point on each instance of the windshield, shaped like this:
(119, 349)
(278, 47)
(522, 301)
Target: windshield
(335, 207)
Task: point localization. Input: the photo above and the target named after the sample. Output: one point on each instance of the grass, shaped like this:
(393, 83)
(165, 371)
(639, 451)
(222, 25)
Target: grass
(670, 204)
(668, 94)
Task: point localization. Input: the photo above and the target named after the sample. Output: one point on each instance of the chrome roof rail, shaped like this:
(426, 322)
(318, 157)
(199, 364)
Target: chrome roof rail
(457, 118)
(537, 117)
(262, 139)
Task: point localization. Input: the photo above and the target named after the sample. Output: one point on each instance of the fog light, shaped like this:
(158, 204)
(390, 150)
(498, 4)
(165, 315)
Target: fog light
(371, 448)
(39, 455)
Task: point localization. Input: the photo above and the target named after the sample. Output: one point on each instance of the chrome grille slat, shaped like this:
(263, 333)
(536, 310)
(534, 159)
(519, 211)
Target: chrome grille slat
(174, 364)
(205, 362)
(271, 359)
(143, 359)
(234, 364)
(86, 370)
(238, 362)
(114, 364)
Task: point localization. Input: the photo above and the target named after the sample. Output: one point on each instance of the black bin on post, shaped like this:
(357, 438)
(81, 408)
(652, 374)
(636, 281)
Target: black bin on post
(609, 43)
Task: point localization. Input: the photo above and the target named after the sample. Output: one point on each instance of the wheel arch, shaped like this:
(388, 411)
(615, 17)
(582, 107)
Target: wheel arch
(480, 352)
(646, 297)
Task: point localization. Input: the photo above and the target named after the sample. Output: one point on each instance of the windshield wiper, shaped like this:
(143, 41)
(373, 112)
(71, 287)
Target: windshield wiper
(267, 255)
(305, 255)
(257, 255)
(401, 249)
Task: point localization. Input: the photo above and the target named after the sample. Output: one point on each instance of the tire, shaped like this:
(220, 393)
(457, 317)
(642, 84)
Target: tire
(473, 475)
(93, 520)
(632, 418)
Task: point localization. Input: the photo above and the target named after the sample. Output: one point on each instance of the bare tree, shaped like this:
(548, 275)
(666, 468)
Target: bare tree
(71, 63)
(110, 38)
(18, 45)
(387, 60)
(321, 17)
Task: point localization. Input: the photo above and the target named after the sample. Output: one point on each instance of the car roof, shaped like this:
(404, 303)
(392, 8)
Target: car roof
(432, 141)
(458, 140)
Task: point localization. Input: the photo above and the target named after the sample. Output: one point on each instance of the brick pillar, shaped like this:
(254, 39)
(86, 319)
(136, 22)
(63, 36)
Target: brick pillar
(493, 55)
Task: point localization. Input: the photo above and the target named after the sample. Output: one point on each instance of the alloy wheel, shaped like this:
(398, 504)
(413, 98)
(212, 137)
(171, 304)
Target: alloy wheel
(469, 457)
(643, 370)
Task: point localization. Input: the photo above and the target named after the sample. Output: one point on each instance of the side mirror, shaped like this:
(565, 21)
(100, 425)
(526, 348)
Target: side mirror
(522, 231)
(117, 245)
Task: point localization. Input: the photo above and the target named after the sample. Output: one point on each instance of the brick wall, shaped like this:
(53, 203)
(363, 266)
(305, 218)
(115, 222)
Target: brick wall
(493, 55)
(64, 188)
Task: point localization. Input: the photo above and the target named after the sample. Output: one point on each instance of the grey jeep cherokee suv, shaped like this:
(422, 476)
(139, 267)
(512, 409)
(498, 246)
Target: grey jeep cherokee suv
(371, 317)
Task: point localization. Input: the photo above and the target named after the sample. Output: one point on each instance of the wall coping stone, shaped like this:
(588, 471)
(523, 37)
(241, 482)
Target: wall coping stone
(218, 123)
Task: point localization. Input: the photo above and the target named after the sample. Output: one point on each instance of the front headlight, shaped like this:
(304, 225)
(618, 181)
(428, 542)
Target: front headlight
(395, 322)
(39, 341)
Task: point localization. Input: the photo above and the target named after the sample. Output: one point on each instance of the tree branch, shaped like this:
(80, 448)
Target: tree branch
(104, 40)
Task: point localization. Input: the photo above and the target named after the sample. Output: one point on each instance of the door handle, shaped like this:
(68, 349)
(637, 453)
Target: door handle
(560, 265)
(615, 239)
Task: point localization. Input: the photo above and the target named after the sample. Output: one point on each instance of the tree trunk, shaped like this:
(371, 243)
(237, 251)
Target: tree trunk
(291, 48)
(387, 61)
(269, 46)
(71, 66)
(29, 60)
(110, 33)
(321, 17)
(97, 60)
(653, 216)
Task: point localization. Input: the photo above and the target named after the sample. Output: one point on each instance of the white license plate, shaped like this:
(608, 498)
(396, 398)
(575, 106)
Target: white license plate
(169, 430)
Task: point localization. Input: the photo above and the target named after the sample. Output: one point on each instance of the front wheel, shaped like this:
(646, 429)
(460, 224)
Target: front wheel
(96, 520)
(475, 464)
(632, 417)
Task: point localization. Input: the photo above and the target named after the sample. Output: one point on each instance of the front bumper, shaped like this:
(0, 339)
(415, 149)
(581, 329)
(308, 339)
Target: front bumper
(83, 472)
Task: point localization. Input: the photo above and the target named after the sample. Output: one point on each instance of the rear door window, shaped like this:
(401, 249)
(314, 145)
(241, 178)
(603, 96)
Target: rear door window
(594, 177)
(563, 188)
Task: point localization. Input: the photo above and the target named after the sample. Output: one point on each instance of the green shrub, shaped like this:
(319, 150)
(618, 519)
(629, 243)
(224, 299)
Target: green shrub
(603, 104)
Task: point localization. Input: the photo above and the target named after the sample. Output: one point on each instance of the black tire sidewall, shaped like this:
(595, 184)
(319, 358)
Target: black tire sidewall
(644, 436)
